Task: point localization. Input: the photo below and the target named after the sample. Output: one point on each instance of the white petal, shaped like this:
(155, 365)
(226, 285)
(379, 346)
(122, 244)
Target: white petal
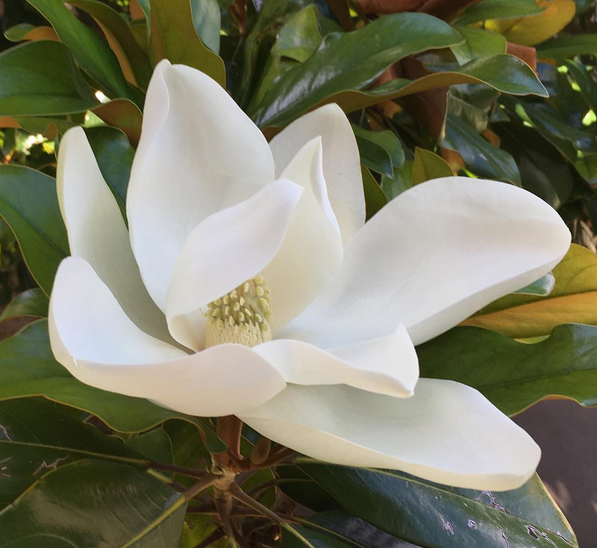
(97, 232)
(198, 154)
(447, 432)
(95, 340)
(387, 365)
(432, 257)
(312, 249)
(225, 250)
(341, 161)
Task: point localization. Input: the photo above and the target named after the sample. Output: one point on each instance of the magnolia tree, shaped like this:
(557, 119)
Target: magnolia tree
(291, 267)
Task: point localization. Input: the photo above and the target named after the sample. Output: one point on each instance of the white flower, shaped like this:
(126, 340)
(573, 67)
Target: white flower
(211, 206)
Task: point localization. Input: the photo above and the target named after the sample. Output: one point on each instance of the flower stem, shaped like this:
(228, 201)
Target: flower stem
(241, 496)
(207, 481)
(182, 470)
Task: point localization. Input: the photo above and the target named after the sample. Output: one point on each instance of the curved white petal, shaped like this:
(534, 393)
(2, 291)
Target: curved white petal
(387, 365)
(97, 232)
(95, 340)
(447, 432)
(341, 161)
(198, 154)
(225, 250)
(432, 257)
(312, 249)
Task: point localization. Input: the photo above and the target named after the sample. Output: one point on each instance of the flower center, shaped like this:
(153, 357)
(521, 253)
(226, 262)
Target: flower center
(240, 317)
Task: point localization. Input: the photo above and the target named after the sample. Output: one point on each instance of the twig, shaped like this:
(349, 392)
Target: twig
(241, 496)
(182, 470)
(207, 481)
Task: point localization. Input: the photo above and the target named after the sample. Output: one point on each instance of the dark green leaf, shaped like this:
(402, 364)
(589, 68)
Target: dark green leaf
(94, 503)
(90, 50)
(566, 45)
(481, 157)
(41, 79)
(512, 374)
(32, 302)
(374, 157)
(351, 61)
(29, 205)
(206, 19)
(132, 58)
(28, 368)
(114, 155)
(297, 536)
(441, 517)
(499, 9)
(375, 199)
(386, 140)
(37, 436)
(401, 181)
(174, 37)
(478, 43)
(155, 445)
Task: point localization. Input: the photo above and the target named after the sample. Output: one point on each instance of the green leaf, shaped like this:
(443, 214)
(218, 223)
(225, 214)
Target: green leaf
(32, 302)
(435, 516)
(565, 45)
(386, 140)
(478, 43)
(16, 33)
(207, 20)
(514, 375)
(41, 79)
(114, 155)
(92, 503)
(374, 156)
(29, 205)
(428, 165)
(28, 368)
(481, 157)
(155, 445)
(330, 70)
(499, 9)
(300, 35)
(174, 37)
(504, 73)
(402, 180)
(90, 50)
(133, 60)
(375, 199)
(37, 436)
(542, 287)
(573, 299)
(297, 536)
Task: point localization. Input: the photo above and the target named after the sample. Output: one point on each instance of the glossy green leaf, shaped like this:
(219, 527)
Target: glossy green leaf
(504, 73)
(173, 37)
(386, 140)
(41, 79)
(515, 375)
(206, 19)
(28, 368)
(542, 169)
(133, 60)
(155, 445)
(32, 302)
(93, 503)
(498, 9)
(375, 199)
(374, 156)
(297, 536)
(568, 45)
(435, 516)
(401, 180)
(428, 165)
(330, 70)
(29, 205)
(37, 436)
(114, 155)
(478, 43)
(300, 36)
(481, 157)
(90, 50)
(542, 287)
(16, 33)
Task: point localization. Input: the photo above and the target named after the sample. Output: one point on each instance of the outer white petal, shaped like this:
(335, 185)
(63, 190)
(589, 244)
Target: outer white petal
(198, 154)
(97, 232)
(341, 161)
(95, 340)
(225, 250)
(312, 249)
(432, 257)
(387, 365)
(447, 432)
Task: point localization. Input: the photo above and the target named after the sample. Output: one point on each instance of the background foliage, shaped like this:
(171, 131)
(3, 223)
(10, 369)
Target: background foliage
(498, 89)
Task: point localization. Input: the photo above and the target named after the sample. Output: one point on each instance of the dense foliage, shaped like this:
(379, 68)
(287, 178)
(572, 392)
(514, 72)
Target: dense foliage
(494, 89)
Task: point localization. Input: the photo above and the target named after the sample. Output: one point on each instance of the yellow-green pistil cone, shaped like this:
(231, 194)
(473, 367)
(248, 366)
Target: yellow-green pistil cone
(240, 317)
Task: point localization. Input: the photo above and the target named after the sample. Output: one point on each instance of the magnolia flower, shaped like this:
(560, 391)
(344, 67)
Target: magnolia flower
(248, 284)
